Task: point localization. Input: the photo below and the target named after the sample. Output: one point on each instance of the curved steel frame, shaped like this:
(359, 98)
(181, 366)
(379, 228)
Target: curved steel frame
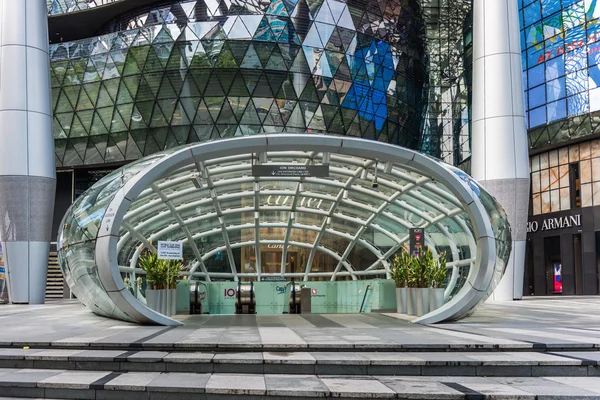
(470, 295)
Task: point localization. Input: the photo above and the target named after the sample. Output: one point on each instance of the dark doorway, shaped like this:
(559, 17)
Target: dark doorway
(577, 264)
(553, 265)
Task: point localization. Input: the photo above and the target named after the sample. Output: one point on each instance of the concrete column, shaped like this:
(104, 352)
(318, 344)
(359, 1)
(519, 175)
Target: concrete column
(27, 172)
(500, 160)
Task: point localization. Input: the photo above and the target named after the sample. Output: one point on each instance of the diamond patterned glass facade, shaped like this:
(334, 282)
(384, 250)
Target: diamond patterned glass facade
(191, 71)
(65, 6)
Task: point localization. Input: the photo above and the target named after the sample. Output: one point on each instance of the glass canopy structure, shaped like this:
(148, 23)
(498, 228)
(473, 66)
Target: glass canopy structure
(345, 224)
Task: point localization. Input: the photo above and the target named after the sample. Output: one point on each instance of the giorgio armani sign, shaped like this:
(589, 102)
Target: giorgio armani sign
(549, 224)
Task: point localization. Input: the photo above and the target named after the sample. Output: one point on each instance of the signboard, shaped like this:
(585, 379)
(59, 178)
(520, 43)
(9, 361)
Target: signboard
(170, 250)
(272, 278)
(291, 170)
(549, 224)
(417, 239)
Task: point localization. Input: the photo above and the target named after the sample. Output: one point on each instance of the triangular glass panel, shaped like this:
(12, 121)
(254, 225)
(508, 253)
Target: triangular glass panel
(277, 25)
(225, 78)
(239, 48)
(201, 77)
(71, 95)
(276, 80)
(132, 83)
(225, 59)
(238, 105)
(86, 118)
(239, 31)
(79, 145)
(277, 7)
(263, 32)
(92, 155)
(200, 133)
(118, 125)
(77, 129)
(251, 78)
(180, 117)
(325, 15)
(133, 152)
(251, 22)
(181, 133)
(203, 116)
(95, 67)
(300, 65)
(98, 127)
(238, 87)
(163, 37)
(104, 98)
(226, 116)
(171, 140)
(176, 80)
(132, 65)
(335, 42)
(314, 6)
(296, 119)
(153, 63)
(290, 5)
(313, 39)
(276, 61)
(262, 107)
(214, 105)
(250, 116)
(71, 157)
(124, 96)
(251, 59)
(116, 146)
(274, 117)
(317, 122)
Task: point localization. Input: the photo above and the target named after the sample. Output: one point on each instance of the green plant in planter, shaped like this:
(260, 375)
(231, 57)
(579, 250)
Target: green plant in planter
(401, 266)
(423, 267)
(439, 272)
(173, 268)
(154, 268)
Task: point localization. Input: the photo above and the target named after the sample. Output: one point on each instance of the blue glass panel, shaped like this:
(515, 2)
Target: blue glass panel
(532, 13)
(557, 110)
(536, 76)
(577, 82)
(550, 6)
(555, 68)
(555, 89)
(593, 53)
(534, 35)
(537, 117)
(594, 74)
(535, 56)
(537, 96)
(575, 60)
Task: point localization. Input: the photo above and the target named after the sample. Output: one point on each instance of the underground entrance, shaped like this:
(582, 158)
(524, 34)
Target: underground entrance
(326, 212)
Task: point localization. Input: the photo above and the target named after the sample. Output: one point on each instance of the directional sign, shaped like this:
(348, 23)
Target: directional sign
(170, 250)
(291, 170)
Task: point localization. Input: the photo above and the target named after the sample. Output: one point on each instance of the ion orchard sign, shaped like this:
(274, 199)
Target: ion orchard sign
(550, 224)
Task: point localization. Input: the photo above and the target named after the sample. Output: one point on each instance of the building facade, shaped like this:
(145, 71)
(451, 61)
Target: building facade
(133, 78)
(561, 75)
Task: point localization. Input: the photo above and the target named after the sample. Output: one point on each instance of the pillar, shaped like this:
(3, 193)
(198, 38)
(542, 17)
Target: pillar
(500, 159)
(27, 172)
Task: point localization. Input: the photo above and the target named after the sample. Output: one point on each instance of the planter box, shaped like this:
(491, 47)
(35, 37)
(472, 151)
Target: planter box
(401, 300)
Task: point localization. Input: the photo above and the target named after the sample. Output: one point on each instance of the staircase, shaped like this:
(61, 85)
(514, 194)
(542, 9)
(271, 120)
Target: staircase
(55, 280)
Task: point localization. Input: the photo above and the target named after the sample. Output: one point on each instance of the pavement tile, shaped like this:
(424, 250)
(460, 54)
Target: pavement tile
(591, 384)
(340, 358)
(238, 358)
(73, 379)
(411, 388)
(393, 358)
(189, 358)
(27, 377)
(96, 355)
(17, 354)
(295, 386)
(357, 387)
(236, 384)
(299, 357)
(179, 382)
(131, 381)
(147, 356)
(52, 355)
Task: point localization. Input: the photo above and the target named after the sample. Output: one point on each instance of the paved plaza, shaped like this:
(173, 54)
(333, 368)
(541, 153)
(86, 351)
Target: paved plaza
(538, 349)
(555, 323)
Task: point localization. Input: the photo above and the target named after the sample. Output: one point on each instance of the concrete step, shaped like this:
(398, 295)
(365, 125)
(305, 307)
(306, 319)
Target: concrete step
(182, 386)
(515, 364)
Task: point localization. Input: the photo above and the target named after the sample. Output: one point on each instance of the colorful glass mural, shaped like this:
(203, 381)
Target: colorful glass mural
(561, 75)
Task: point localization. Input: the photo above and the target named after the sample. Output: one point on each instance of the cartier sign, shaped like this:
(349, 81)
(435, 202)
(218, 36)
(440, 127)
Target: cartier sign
(550, 224)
